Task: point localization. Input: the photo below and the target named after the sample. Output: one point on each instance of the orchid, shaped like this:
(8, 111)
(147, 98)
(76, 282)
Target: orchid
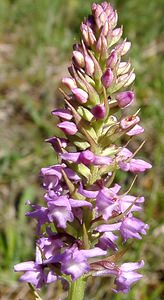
(86, 210)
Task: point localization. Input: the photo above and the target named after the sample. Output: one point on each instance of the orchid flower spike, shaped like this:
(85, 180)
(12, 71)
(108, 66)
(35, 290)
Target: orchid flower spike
(85, 209)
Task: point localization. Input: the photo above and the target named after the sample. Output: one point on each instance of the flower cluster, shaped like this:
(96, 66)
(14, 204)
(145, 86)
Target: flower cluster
(85, 208)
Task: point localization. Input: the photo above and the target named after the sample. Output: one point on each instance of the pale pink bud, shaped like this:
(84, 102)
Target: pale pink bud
(69, 82)
(107, 78)
(108, 9)
(89, 65)
(99, 111)
(103, 18)
(113, 18)
(91, 36)
(116, 35)
(97, 10)
(126, 48)
(124, 99)
(80, 95)
(126, 79)
(130, 79)
(84, 31)
(62, 113)
(104, 47)
(68, 127)
(123, 48)
(123, 68)
(99, 44)
(112, 60)
(104, 5)
(79, 58)
(105, 29)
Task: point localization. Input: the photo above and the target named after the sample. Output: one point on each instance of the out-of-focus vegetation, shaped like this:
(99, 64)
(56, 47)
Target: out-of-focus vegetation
(36, 39)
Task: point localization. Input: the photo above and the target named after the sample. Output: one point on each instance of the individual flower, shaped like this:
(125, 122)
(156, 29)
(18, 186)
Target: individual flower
(35, 271)
(132, 227)
(127, 276)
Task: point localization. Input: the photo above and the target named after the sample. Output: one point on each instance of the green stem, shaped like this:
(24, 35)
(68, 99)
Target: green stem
(77, 289)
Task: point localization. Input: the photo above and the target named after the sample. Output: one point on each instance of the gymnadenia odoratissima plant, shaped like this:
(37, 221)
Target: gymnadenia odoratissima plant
(86, 210)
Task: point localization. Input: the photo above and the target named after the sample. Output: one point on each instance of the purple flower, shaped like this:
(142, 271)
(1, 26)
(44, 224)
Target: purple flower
(74, 262)
(125, 201)
(50, 245)
(106, 201)
(86, 157)
(135, 165)
(60, 211)
(127, 276)
(39, 213)
(132, 227)
(51, 176)
(34, 271)
(107, 241)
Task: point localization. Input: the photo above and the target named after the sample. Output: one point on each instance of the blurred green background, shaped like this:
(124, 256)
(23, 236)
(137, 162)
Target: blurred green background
(36, 38)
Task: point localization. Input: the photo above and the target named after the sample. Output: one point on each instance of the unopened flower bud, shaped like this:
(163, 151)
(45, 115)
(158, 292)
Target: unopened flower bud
(113, 18)
(124, 99)
(126, 79)
(89, 65)
(80, 95)
(62, 113)
(84, 31)
(97, 10)
(103, 18)
(68, 127)
(107, 78)
(123, 68)
(130, 80)
(79, 58)
(91, 37)
(105, 29)
(107, 8)
(126, 48)
(69, 82)
(116, 35)
(123, 48)
(112, 60)
(99, 111)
